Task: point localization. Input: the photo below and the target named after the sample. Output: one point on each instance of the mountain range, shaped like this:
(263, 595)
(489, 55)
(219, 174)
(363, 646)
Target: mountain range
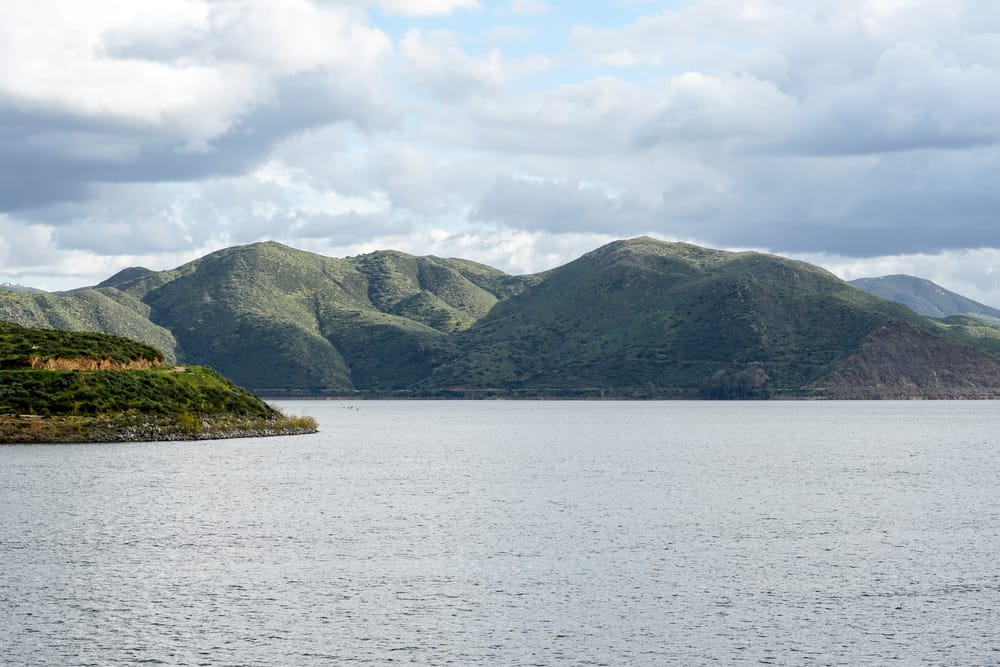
(634, 318)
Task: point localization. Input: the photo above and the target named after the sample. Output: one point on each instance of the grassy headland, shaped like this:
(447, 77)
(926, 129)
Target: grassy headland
(58, 386)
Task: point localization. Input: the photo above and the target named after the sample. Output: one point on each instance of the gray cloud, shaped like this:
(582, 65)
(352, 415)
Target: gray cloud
(184, 100)
(559, 206)
(348, 228)
(852, 128)
(863, 207)
(64, 169)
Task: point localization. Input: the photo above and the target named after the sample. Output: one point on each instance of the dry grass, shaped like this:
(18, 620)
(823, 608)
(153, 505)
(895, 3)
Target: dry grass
(91, 364)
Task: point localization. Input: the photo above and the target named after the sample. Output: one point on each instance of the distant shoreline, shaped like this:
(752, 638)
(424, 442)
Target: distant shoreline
(847, 394)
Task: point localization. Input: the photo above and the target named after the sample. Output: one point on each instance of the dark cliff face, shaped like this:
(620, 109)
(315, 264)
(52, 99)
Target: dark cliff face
(901, 360)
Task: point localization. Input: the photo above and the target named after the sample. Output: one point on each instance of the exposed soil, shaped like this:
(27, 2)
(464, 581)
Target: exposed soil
(901, 360)
(91, 364)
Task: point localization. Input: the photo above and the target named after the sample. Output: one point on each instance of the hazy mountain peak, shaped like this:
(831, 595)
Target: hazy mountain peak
(923, 296)
(17, 287)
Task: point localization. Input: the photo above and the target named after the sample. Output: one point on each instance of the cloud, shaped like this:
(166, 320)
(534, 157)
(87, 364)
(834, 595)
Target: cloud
(559, 206)
(593, 117)
(694, 107)
(423, 7)
(863, 78)
(856, 206)
(912, 100)
(529, 7)
(30, 254)
(145, 130)
(348, 228)
(102, 91)
(126, 219)
(437, 60)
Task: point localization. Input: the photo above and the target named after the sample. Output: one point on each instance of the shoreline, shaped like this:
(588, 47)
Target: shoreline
(130, 427)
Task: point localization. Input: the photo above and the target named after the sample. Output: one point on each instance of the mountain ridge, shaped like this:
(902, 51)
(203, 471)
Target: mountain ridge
(923, 296)
(634, 318)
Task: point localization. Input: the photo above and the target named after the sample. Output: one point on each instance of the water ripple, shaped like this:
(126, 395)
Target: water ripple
(516, 533)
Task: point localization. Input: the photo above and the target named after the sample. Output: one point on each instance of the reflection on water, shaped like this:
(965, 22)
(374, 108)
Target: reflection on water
(517, 533)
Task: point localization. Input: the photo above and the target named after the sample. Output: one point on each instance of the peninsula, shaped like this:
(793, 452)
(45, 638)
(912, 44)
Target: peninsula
(61, 386)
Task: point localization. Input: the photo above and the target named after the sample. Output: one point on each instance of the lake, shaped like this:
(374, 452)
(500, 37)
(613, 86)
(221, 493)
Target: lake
(517, 533)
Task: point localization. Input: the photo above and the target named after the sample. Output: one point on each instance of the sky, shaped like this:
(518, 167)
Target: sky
(860, 135)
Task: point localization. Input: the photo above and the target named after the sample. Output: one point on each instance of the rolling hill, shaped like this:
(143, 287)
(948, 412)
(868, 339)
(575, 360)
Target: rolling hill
(635, 318)
(107, 311)
(284, 321)
(647, 318)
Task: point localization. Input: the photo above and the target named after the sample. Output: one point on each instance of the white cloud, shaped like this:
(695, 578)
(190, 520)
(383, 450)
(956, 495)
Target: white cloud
(187, 69)
(535, 204)
(855, 128)
(30, 254)
(529, 7)
(55, 61)
(438, 61)
(694, 107)
(593, 117)
(423, 7)
(857, 77)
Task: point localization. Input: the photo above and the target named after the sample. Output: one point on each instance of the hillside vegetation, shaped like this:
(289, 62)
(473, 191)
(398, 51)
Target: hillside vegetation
(283, 321)
(635, 318)
(22, 347)
(107, 311)
(67, 386)
(643, 317)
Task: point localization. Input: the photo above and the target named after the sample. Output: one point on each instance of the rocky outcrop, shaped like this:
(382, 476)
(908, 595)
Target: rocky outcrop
(902, 360)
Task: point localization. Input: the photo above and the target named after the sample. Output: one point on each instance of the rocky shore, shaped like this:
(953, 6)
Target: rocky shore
(25, 429)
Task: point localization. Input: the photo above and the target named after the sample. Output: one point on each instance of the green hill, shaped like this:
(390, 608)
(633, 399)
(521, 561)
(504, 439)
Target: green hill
(644, 317)
(58, 386)
(103, 310)
(635, 318)
(974, 330)
(283, 321)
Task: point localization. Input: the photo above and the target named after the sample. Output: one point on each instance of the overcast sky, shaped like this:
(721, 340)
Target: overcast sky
(861, 135)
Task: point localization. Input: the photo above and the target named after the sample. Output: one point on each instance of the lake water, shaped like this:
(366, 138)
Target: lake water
(517, 533)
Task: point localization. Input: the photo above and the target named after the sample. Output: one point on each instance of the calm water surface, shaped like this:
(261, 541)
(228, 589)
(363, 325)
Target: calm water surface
(517, 533)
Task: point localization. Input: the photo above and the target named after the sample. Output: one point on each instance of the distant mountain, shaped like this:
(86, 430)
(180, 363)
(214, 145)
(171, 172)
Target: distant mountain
(923, 296)
(15, 287)
(106, 311)
(635, 318)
